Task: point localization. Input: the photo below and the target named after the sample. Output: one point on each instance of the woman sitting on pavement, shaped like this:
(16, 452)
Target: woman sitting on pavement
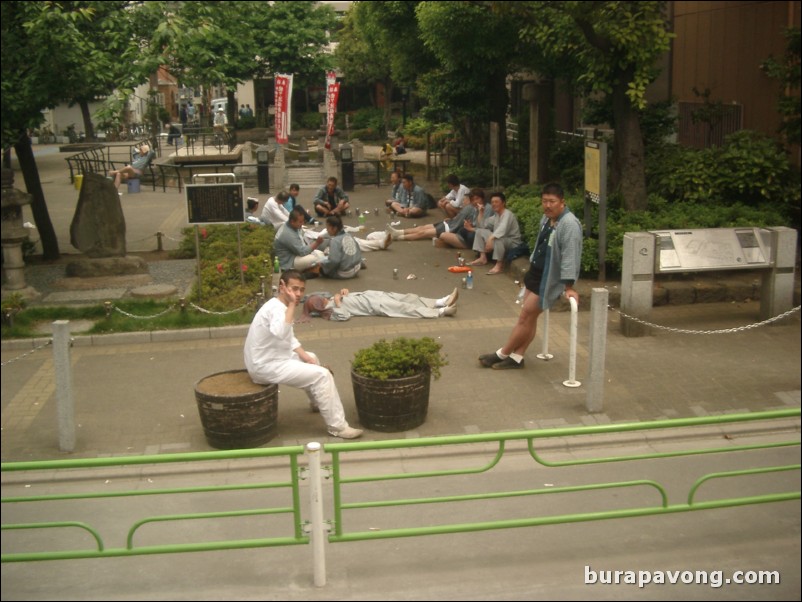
(345, 304)
(501, 234)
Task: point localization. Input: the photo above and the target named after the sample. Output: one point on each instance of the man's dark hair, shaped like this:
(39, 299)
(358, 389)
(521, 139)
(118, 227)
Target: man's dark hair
(500, 195)
(452, 180)
(297, 213)
(336, 221)
(292, 274)
(553, 188)
(282, 197)
(408, 176)
(480, 192)
(252, 203)
(294, 185)
(332, 179)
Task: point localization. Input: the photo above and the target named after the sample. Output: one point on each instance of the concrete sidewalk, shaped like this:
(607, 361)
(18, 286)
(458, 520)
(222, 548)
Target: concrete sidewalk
(134, 394)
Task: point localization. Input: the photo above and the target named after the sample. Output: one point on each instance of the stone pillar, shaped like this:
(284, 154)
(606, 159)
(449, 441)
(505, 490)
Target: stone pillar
(777, 287)
(331, 167)
(279, 175)
(12, 235)
(358, 149)
(637, 282)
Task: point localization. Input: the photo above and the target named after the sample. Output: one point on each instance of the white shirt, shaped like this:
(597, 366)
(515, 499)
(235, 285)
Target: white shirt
(269, 338)
(458, 196)
(275, 214)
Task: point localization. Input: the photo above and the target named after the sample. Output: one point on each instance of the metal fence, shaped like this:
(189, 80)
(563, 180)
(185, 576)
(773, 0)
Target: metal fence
(450, 487)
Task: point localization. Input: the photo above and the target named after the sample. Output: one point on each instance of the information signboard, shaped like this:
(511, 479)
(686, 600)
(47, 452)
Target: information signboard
(711, 249)
(215, 203)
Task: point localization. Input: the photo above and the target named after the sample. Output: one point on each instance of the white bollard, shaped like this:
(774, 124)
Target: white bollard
(545, 355)
(65, 405)
(597, 348)
(572, 382)
(318, 530)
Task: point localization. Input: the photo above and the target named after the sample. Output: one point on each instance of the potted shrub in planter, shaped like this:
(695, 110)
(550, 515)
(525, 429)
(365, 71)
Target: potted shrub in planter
(391, 382)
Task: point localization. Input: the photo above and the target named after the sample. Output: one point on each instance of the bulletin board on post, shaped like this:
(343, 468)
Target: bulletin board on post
(220, 203)
(596, 192)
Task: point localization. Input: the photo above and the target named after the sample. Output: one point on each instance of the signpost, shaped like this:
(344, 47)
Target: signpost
(596, 192)
(218, 203)
(215, 203)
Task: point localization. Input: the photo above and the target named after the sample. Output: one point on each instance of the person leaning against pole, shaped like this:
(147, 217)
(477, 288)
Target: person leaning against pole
(553, 270)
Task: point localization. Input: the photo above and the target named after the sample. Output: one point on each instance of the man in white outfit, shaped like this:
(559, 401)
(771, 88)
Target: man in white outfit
(274, 355)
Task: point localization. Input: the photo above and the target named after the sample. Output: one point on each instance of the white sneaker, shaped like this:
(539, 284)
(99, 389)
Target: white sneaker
(346, 433)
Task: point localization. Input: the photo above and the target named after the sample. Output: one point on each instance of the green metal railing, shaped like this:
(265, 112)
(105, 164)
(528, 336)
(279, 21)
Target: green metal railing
(494, 447)
(292, 509)
(532, 439)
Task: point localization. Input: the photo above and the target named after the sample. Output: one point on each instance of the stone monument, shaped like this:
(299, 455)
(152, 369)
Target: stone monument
(11, 237)
(98, 231)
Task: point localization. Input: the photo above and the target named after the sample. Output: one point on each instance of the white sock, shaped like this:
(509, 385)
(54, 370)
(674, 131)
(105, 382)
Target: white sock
(501, 355)
(517, 357)
(441, 302)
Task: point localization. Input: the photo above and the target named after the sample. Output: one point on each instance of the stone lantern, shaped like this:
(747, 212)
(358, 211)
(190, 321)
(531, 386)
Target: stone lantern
(12, 235)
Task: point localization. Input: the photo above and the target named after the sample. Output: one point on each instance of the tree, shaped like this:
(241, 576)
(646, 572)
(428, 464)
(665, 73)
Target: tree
(469, 82)
(380, 42)
(62, 51)
(787, 72)
(281, 37)
(360, 41)
(606, 49)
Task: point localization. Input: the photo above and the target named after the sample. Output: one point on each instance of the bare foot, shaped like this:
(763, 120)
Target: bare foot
(495, 271)
(478, 262)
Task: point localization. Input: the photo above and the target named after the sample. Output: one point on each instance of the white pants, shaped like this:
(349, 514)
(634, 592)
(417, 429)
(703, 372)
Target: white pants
(315, 380)
(372, 242)
(308, 261)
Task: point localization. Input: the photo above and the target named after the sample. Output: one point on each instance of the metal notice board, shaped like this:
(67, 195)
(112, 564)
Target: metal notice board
(712, 249)
(216, 203)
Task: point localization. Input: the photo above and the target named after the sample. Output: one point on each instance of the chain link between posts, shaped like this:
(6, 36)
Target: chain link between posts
(24, 355)
(721, 331)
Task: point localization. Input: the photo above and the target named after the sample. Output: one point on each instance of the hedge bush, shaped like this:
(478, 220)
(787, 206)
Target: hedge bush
(662, 214)
(221, 286)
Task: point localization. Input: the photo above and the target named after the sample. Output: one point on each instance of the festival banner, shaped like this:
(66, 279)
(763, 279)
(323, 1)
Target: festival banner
(332, 95)
(283, 105)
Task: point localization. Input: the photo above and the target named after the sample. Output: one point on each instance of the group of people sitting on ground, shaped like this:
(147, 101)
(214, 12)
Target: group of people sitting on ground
(332, 252)
(492, 231)
(274, 355)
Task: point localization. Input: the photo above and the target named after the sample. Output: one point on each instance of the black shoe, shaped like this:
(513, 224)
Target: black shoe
(488, 359)
(508, 364)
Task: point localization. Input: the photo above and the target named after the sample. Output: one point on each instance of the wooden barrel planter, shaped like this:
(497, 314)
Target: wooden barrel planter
(235, 412)
(392, 405)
